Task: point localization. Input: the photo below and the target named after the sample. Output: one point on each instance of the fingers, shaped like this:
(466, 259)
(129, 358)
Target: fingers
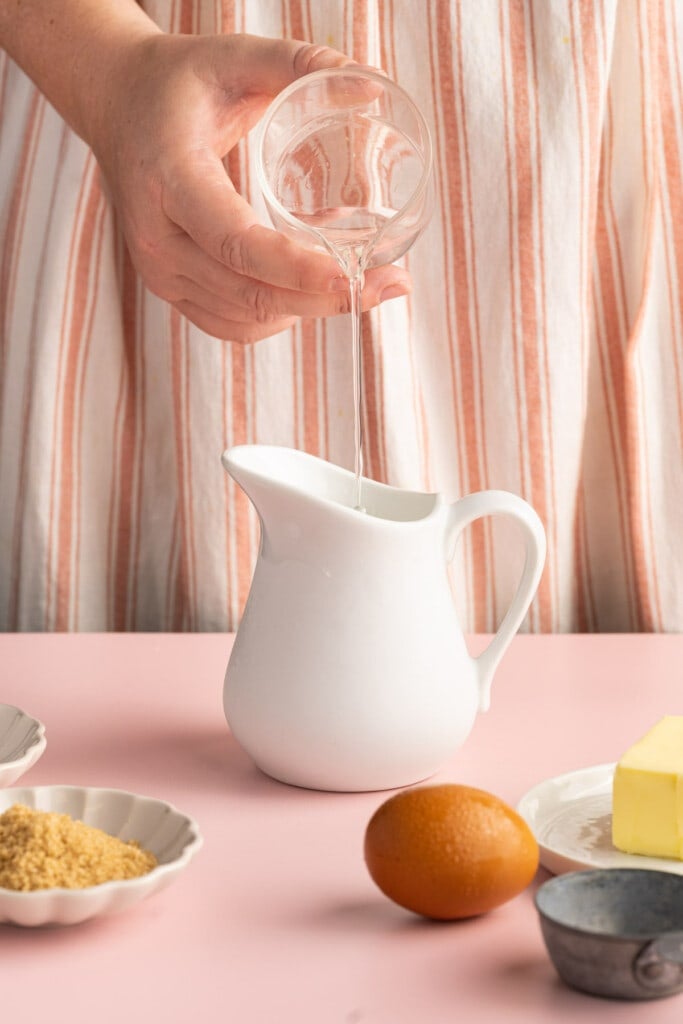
(239, 281)
(200, 198)
(223, 318)
(253, 311)
(237, 297)
(228, 330)
(268, 65)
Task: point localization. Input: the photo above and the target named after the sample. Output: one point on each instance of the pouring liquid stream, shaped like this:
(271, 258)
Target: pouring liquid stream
(346, 175)
(355, 290)
(350, 236)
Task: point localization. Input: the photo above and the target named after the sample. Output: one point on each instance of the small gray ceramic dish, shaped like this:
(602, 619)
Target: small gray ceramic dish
(615, 932)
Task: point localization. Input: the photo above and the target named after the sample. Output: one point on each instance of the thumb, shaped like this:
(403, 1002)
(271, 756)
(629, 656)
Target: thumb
(260, 65)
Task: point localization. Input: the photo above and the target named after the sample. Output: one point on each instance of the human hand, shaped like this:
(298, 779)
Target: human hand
(177, 105)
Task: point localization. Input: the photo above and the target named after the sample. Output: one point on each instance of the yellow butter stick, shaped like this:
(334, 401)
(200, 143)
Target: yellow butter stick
(647, 796)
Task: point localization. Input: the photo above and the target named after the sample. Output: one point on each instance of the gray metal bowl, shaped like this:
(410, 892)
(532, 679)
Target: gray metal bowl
(615, 932)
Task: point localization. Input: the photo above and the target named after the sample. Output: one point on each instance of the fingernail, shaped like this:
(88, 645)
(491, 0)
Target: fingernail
(339, 284)
(394, 291)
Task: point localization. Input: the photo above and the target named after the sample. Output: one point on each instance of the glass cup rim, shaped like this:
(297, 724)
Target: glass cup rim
(366, 72)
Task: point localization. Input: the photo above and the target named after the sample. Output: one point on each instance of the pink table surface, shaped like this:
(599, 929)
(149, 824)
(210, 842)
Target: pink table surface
(277, 920)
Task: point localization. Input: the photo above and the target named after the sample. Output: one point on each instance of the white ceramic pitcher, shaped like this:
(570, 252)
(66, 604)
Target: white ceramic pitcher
(349, 670)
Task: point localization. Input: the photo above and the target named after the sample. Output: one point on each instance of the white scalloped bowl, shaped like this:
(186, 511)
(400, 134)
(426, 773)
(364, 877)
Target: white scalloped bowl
(22, 742)
(172, 837)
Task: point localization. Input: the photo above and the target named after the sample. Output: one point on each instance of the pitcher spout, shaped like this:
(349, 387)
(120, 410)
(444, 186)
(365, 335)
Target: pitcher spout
(245, 468)
(266, 472)
(296, 476)
(301, 500)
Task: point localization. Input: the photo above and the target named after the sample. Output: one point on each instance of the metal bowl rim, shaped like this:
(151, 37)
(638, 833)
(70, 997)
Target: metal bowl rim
(641, 938)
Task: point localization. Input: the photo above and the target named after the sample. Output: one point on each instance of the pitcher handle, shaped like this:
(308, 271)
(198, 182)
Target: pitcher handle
(492, 503)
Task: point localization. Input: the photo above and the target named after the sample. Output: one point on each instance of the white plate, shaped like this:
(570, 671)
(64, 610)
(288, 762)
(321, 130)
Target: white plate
(571, 817)
(171, 836)
(22, 741)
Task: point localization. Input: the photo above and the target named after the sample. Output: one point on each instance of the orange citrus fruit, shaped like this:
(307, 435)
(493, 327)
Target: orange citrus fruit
(449, 851)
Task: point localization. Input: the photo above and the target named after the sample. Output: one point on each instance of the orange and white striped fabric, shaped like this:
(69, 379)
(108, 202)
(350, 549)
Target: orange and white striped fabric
(541, 350)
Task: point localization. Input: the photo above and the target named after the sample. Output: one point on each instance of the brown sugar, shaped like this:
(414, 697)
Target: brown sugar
(44, 850)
